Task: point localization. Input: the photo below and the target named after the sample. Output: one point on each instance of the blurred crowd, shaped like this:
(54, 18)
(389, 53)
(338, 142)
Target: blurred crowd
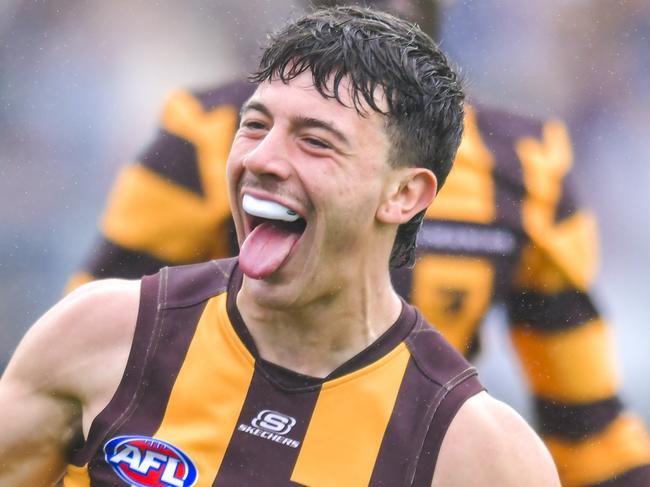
(80, 83)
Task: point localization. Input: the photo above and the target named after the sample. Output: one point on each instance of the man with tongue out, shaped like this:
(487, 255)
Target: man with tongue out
(296, 363)
(338, 155)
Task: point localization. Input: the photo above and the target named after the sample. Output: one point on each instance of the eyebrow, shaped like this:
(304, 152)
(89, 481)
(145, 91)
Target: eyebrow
(254, 105)
(297, 122)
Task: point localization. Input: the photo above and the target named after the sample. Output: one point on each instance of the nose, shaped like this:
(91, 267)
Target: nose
(270, 157)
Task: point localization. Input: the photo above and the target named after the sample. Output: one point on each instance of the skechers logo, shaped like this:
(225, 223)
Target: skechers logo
(272, 426)
(274, 422)
(146, 462)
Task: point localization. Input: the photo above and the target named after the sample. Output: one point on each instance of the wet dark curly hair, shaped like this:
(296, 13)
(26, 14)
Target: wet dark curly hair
(374, 50)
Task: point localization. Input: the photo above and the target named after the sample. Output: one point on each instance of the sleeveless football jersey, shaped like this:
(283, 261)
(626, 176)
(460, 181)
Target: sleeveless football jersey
(198, 406)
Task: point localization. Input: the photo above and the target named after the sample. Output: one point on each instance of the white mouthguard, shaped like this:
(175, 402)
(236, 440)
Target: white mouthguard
(268, 209)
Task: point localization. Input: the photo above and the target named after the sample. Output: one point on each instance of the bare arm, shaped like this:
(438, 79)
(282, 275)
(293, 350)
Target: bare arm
(64, 371)
(37, 428)
(489, 444)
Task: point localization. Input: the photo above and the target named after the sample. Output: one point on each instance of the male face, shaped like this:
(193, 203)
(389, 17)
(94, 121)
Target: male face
(297, 152)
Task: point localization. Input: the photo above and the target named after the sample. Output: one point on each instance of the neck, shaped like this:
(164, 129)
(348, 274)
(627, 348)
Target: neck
(316, 338)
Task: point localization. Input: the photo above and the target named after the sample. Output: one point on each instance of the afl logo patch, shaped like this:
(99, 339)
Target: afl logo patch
(147, 462)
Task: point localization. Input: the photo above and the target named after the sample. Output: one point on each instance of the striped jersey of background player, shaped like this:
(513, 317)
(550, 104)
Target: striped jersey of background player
(505, 229)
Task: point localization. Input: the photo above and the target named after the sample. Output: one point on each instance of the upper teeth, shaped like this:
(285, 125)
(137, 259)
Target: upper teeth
(268, 209)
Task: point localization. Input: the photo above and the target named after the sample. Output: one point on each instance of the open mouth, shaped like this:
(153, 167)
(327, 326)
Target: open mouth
(272, 232)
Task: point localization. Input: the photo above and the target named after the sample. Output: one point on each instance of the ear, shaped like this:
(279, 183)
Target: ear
(409, 193)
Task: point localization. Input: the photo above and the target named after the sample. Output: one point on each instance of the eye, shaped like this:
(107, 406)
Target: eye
(253, 125)
(317, 143)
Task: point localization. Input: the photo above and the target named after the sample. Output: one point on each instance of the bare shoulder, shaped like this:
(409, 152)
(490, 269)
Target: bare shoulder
(488, 444)
(85, 331)
(64, 371)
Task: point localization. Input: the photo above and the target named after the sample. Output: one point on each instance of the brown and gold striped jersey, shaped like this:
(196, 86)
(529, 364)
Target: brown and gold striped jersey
(195, 384)
(504, 229)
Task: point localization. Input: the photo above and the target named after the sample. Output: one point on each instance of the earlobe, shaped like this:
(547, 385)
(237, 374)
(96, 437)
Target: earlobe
(409, 195)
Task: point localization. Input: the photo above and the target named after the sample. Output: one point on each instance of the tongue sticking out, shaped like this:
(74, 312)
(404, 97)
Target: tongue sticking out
(265, 249)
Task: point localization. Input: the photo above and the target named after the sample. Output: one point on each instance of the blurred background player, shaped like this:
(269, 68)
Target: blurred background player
(494, 220)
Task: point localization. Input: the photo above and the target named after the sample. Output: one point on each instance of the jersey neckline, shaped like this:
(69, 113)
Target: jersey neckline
(291, 379)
